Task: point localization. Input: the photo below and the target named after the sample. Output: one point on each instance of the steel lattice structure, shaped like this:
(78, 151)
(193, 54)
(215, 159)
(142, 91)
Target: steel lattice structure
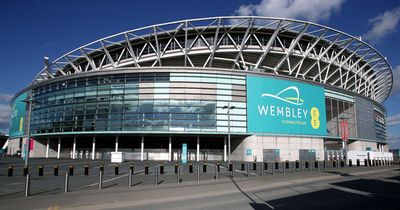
(278, 46)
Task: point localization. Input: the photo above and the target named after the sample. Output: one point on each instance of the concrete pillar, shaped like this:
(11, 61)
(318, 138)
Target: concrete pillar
(74, 149)
(59, 148)
(47, 147)
(224, 148)
(94, 148)
(142, 149)
(116, 144)
(170, 149)
(198, 149)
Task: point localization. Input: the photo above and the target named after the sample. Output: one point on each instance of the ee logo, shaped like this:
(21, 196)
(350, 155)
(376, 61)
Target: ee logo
(315, 123)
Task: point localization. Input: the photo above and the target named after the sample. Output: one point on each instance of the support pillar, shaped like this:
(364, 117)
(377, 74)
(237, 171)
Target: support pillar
(116, 144)
(47, 147)
(170, 149)
(59, 148)
(94, 148)
(198, 149)
(142, 149)
(74, 149)
(224, 148)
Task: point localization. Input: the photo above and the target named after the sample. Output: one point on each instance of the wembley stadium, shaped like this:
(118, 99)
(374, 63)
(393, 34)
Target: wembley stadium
(238, 88)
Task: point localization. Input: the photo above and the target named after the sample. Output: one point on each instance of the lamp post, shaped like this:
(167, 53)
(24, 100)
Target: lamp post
(229, 107)
(345, 133)
(31, 102)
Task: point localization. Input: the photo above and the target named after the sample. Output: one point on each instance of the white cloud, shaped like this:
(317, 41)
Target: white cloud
(5, 114)
(4, 97)
(394, 140)
(393, 120)
(382, 25)
(296, 9)
(396, 81)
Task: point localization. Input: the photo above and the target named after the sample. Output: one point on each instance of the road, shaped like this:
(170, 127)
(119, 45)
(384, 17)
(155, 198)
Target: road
(347, 188)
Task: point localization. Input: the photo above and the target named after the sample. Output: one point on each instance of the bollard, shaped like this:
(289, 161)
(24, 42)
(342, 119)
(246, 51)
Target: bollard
(25, 171)
(155, 176)
(284, 167)
(233, 172)
(242, 166)
(369, 162)
(219, 167)
(190, 168)
(198, 173)
(130, 176)
(71, 170)
(316, 165)
(273, 169)
(306, 165)
(293, 167)
(55, 170)
(116, 170)
(266, 166)
(10, 170)
(373, 162)
(248, 170)
(365, 163)
(102, 168)
(132, 168)
(86, 170)
(358, 162)
(100, 179)
(216, 173)
(342, 164)
(146, 169)
(277, 165)
(254, 165)
(40, 168)
(176, 168)
(204, 167)
(301, 166)
(350, 163)
(27, 185)
(333, 164)
(66, 183)
(287, 164)
(262, 170)
(230, 166)
(297, 164)
(178, 175)
(162, 168)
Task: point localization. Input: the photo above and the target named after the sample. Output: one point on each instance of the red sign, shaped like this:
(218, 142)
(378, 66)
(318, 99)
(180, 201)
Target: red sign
(345, 130)
(31, 144)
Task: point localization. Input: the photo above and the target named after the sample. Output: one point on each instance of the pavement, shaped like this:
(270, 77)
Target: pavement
(355, 187)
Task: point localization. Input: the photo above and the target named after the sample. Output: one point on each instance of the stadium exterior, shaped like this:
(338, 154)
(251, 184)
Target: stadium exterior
(293, 90)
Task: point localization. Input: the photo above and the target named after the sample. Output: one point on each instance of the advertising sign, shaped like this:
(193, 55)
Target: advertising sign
(184, 153)
(285, 107)
(18, 112)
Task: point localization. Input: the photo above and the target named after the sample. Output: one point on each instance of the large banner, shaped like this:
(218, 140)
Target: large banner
(285, 107)
(18, 112)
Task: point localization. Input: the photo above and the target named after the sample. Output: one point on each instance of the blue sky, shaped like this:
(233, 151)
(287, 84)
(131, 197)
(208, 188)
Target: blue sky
(34, 29)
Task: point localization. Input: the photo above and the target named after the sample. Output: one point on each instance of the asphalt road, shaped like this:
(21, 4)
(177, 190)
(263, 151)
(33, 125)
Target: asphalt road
(347, 188)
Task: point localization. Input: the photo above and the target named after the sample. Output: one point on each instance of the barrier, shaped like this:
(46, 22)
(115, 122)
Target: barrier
(86, 170)
(10, 170)
(71, 170)
(40, 170)
(55, 170)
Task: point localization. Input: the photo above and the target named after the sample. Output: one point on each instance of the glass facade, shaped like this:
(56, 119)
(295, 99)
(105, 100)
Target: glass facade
(140, 102)
(334, 110)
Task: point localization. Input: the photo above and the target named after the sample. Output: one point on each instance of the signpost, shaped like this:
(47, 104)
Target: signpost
(184, 153)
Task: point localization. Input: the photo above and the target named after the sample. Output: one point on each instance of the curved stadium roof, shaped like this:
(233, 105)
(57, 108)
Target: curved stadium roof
(278, 46)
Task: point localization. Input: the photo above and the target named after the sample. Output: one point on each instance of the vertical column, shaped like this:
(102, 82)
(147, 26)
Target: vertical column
(59, 148)
(74, 149)
(170, 149)
(47, 148)
(224, 148)
(116, 144)
(94, 148)
(198, 149)
(142, 149)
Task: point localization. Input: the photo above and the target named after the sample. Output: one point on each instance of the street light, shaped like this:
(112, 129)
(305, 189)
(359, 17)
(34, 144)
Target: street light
(31, 102)
(229, 107)
(345, 133)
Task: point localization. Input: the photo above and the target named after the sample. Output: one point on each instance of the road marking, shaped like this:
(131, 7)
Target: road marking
(345, 189)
